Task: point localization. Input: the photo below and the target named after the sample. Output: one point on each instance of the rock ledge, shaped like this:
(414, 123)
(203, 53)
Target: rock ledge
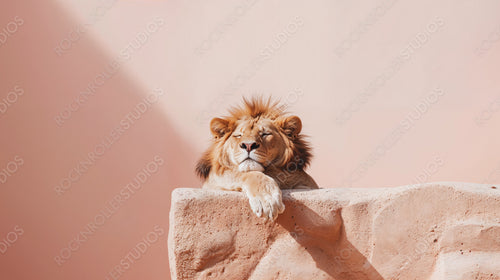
(429, 231)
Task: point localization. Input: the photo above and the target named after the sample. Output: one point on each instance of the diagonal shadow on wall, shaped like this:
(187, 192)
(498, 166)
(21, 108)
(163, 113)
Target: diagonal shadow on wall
(52, 220)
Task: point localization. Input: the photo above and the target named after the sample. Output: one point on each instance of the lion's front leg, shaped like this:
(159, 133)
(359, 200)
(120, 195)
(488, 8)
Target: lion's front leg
(263, 194)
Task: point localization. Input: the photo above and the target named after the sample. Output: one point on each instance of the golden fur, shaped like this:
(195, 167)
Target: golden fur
(257, 149)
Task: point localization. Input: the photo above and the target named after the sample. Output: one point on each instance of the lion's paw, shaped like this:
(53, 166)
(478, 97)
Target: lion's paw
(267, 203)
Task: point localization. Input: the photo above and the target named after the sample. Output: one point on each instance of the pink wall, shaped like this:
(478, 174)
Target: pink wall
(391, 93)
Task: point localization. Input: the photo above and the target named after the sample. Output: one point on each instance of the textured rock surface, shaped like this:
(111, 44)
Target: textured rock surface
(431, 231)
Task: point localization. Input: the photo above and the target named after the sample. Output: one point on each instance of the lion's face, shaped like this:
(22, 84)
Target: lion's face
(254, 145)
(254, 138)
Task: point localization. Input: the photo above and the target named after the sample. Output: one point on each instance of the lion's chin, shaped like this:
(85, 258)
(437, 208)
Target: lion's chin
(250, 165)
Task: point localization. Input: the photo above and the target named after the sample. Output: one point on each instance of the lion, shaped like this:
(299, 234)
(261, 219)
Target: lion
(257, 150)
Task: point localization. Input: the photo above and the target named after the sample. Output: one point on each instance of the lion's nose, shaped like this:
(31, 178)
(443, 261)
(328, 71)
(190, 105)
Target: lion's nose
(249, 146)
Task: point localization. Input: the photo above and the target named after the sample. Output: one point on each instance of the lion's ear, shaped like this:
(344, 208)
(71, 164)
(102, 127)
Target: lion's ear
(219, 127)
(292, 126)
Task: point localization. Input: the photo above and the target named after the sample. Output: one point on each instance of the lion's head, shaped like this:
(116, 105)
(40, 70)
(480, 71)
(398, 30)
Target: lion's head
(254, 137)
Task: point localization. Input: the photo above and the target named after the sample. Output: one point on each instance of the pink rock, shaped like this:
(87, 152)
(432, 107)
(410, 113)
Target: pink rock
(431, 231)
